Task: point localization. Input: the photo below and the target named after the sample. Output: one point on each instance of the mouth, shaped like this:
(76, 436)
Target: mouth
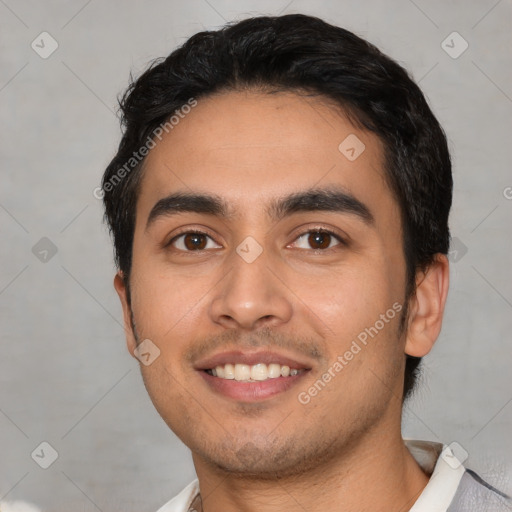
(256, 373)
(251, 377)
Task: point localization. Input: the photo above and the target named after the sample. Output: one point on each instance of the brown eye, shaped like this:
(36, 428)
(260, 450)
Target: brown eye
(192, 241)
(319, 240)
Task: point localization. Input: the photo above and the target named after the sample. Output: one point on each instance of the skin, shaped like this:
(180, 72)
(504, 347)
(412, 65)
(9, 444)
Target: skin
(343, 450)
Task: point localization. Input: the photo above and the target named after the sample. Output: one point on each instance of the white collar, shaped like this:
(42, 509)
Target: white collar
(445, 469)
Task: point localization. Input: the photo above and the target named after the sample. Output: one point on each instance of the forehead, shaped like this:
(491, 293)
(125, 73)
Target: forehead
(250, 147)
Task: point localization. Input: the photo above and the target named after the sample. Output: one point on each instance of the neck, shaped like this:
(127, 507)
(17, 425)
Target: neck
(378, 474)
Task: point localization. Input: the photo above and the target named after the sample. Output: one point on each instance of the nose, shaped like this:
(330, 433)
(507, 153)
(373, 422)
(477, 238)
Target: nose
(251, 296)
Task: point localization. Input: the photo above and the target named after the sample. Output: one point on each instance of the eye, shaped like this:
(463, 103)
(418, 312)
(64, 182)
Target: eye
(318, 240)
(193, 241)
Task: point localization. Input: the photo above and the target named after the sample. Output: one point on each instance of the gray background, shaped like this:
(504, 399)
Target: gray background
(65, 375)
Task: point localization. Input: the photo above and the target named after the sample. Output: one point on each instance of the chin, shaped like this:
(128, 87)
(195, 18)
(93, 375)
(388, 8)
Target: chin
(266, 462)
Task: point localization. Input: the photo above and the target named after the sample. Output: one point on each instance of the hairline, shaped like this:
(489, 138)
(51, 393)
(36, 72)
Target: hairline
(347, 111)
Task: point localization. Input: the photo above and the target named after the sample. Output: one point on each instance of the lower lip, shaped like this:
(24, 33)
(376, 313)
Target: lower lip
(251, 391)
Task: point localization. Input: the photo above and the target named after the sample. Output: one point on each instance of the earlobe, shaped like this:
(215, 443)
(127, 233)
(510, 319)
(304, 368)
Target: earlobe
(122, 292)
(426, 307)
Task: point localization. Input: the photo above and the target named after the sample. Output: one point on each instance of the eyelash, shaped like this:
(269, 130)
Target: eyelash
(324, 231)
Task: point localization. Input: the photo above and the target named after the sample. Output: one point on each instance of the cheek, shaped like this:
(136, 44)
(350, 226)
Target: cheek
(344, 301)
(169, 394)
(165, 303)
(348, 305)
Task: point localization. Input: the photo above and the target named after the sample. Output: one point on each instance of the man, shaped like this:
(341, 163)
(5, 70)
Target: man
(279, 207)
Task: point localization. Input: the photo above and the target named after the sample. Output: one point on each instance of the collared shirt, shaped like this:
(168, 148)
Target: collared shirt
(451, 487)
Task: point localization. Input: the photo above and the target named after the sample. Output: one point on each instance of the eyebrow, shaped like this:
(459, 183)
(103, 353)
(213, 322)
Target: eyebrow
(320, 199)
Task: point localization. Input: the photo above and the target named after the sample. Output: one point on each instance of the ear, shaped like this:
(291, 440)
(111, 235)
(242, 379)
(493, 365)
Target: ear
(426, 307)
(120, 286)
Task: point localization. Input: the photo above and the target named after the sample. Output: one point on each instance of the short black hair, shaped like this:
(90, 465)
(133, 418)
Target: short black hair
(307, 55)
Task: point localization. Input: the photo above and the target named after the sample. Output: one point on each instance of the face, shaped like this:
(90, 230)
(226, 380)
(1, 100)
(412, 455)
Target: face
(265, 251)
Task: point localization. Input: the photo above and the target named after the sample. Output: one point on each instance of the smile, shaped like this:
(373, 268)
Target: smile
(251, 376)
(253, 373)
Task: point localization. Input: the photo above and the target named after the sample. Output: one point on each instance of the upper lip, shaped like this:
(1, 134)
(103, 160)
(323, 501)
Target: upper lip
(250, 358)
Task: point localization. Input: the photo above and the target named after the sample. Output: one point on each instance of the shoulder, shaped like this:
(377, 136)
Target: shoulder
(474, 491)
(453, 487)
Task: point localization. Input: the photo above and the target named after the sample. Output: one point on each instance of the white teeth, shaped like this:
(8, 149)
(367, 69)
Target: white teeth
(259, 372)
(242, 372)
(274, 371)
(229, 371)
(256, 372)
